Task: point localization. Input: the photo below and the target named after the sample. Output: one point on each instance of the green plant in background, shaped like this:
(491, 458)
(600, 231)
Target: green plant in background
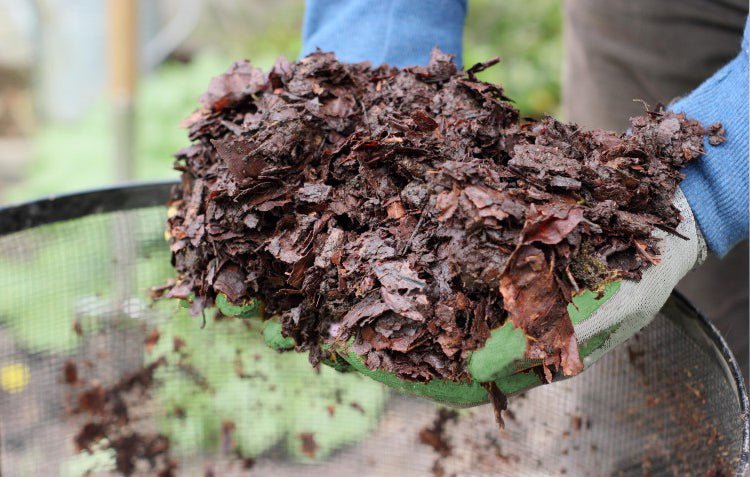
(527, 38)
(223, 382)
(84, 463)
(62, 273)
(48, 284)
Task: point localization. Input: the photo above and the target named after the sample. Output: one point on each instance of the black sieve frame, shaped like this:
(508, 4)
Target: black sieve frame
(56, 208)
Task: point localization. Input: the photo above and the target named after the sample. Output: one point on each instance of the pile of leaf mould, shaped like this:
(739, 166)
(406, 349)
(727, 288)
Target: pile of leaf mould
(412, 210)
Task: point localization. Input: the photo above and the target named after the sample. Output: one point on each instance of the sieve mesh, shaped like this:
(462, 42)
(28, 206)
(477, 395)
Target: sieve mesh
(75, 292)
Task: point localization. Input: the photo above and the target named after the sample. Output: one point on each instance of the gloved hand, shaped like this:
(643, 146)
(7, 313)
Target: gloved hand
(600, 323)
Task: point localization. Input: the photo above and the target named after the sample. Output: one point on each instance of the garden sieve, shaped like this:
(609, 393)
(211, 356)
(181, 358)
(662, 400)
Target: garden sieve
(78, 277)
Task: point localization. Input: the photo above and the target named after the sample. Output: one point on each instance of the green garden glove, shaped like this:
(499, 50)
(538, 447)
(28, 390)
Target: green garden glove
(500, 360)
(599, 322)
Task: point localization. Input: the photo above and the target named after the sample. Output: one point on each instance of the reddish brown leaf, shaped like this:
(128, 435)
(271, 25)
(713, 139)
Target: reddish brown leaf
(240, 81)
(231, 281)
(535, 305)
(550, 225)
(423, 122)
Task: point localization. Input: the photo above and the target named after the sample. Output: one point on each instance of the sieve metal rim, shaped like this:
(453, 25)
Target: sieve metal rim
(55, 208)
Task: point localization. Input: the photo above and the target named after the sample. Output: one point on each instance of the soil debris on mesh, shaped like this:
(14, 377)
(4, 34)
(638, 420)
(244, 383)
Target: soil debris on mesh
(411, 210)
(70, 372)
(681, 404)
(113, 421)
(309, 446)
(464, 444)
(434, 435)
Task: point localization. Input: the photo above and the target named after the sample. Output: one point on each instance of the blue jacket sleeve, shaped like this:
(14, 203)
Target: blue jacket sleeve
(396, 32)
(716, 185)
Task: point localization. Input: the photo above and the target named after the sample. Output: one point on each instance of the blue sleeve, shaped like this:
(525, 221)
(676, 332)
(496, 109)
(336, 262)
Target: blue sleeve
(396, 32)
(716, 185)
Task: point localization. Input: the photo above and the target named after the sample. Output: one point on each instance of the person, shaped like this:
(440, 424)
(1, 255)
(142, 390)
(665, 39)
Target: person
(615, 51)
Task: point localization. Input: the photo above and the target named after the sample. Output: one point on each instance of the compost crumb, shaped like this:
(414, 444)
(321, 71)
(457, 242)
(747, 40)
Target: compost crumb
(434, 435)
(77, 328)
(227, 436)
(576, 422)
(413, 210)
(70, 372)
(177, 344)
(499, 402)
(716, 134)
(309, 446)
(152, 339)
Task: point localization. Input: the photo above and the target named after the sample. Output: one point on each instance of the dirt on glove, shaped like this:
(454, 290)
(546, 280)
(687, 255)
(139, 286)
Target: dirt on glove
(413, 210)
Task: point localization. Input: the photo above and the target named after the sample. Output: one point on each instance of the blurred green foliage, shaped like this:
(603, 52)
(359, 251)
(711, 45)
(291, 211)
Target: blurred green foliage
(525, 35)
(225, 373)
(56, 274)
